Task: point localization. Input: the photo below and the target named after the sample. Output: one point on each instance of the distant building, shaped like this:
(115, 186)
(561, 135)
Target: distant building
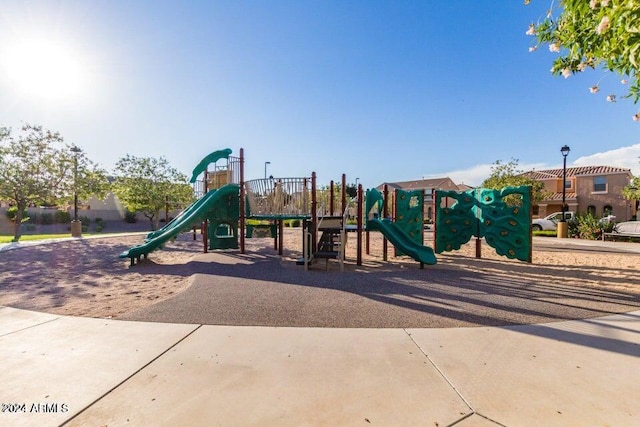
(588, 189)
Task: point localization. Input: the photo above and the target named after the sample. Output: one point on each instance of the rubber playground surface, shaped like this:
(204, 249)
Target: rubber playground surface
(262, 290)
(259, 288)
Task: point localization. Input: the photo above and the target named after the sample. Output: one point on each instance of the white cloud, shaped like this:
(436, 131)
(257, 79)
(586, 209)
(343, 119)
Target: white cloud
(623, 157)
(475, 175)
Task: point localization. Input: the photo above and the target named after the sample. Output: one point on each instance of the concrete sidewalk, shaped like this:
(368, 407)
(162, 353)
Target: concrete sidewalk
(95, 372)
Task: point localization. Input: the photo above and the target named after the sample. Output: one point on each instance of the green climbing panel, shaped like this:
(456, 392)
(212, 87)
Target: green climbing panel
(223, 223)
(409, 214)
(500, 216)
(374, 204)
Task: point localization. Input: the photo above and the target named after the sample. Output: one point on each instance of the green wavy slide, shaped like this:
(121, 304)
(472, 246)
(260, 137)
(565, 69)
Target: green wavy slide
(183, 222)
(400, 240)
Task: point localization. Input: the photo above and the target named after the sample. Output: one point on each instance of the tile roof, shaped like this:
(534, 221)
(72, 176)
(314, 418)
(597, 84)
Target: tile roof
(575, 171)
(558, 197)
(419, 184)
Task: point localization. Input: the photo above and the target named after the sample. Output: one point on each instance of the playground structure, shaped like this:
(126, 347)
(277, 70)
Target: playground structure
(226, 202)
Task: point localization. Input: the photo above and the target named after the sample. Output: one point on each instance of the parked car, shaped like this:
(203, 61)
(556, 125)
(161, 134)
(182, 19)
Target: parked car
(608, 218)
(550, 222)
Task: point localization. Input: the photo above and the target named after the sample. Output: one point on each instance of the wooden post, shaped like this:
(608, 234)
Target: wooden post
(280, 236)
(275, 238)
(478, 240)
(366, 242)
(203, 225)
(314, 214)
(366, 232)
(166, 209)
(344, 193)
(434, 212)
(205, 236)
(331, 198)
(359, 229)
(395, 215)
(385, 213)
(530, 256)
(242, 202)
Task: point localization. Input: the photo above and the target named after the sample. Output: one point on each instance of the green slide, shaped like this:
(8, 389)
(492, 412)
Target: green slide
(192, 215)
(400, 240)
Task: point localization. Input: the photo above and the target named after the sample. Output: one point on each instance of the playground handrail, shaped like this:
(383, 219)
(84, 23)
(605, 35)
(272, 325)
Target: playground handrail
(279, 196)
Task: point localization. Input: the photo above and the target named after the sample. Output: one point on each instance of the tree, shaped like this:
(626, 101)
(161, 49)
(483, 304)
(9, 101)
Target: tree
(90, 180)
(143, 184)
(37, 167)
(508, 174)
(597, 34)
(632, 192)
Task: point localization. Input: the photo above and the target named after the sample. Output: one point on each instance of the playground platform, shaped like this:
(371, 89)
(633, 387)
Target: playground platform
(81, 371)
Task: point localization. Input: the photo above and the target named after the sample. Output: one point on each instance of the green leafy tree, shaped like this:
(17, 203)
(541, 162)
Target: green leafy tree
(507, 174)
(143, 184)
(596, 34)
(37, 167)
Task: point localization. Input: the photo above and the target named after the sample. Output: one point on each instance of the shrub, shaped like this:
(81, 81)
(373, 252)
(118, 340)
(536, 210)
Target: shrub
(586, 227)
(99, 224)
(85, 220)
(130, 217)
(62, 217)
(13, 210)
(46, 218)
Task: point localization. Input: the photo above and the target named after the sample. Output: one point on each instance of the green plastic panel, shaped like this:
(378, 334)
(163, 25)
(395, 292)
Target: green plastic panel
(409, 215)
(502, 217)
(374, 202)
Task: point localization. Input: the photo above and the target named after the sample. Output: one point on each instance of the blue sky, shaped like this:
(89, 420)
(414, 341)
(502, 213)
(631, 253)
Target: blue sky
(379, 90)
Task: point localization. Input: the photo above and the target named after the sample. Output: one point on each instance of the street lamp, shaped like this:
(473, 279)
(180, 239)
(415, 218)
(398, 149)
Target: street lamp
(562, 228)
(357, 179)
(76, 229)
(265, 169)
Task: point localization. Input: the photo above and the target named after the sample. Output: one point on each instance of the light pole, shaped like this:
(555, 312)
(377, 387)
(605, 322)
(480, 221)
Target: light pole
(265, 169)
(357, 179)
(76, 226)
(562, 227)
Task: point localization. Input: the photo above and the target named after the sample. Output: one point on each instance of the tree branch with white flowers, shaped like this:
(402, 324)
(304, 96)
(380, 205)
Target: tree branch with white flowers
(597, 34)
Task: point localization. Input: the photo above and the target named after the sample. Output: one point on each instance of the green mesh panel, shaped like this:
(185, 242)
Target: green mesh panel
(500, 216)
(409, 208)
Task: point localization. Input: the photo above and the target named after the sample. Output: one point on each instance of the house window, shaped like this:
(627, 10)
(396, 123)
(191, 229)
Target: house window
(607, 210)
(599, 184)
(567, 184)
(591, 210)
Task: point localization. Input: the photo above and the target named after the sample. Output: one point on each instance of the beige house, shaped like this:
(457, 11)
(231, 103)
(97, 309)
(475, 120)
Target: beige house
(588, 189)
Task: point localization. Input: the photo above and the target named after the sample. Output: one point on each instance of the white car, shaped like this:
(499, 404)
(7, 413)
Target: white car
(608, 218)
(550, 222)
